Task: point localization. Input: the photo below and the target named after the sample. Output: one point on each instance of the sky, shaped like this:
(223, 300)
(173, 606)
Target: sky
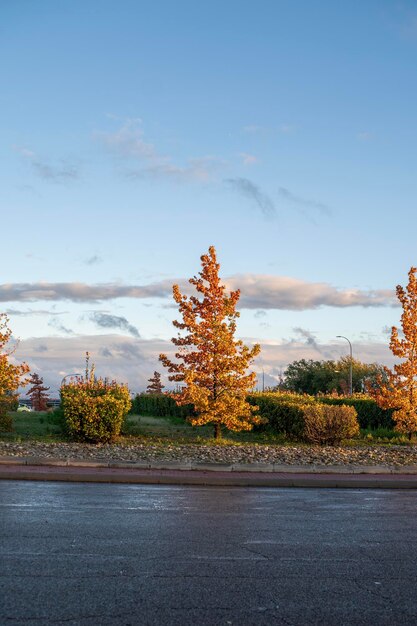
(134, 135)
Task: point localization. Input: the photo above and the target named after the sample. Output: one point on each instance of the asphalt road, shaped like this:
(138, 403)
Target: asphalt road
(96, 554)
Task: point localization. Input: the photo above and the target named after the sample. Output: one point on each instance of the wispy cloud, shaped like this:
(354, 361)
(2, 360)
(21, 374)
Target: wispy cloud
(93, 260)
(201, 169)
(128, 141)
(287, 195)
(364, 136)
(254, 129)
(33, 312)
(105, 320)
(248, 159)
(310, 340)
(57, 325)
(252, 192)
(258, 129)
(61, 172)
(258, 291)
(142, 160)
(286, 129)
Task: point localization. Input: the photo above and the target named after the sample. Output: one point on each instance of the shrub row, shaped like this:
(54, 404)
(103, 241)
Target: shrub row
(160, 405)
(284, 412)
(370, 415)
(298, 417)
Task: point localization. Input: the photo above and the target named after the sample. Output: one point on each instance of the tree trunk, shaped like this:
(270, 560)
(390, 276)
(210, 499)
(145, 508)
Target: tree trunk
(217, 431)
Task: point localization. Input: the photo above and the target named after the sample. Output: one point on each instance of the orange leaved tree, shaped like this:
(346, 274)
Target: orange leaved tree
(10, 374)
(399, 391)
(211, 363)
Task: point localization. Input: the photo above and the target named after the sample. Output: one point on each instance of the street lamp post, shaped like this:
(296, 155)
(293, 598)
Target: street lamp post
(67, 376)
(350, 367)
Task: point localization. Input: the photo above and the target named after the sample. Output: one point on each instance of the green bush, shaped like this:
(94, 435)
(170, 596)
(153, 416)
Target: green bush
(283, 411)
(370, 415)
(8, 402)
(94, 410)
(327, 424)
(160, 405)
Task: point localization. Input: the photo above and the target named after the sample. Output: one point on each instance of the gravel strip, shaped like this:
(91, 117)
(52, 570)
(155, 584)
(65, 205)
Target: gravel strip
(392, 456)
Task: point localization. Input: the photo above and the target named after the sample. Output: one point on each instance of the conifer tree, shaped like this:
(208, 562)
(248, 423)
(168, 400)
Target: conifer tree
(37, 393)
(399, 392)
(211, 364)
(155, 385)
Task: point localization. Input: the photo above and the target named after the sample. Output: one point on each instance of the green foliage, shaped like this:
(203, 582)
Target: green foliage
(325, 424)
(6, 421)
(370, 415)
(94, 410)
(283, 412)
(313, 377)
(160, 405)
(45, 426)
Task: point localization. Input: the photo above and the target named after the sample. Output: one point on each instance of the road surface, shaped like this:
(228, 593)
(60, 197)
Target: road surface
(94, 554)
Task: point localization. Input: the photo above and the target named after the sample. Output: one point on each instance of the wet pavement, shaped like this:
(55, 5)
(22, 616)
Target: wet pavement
(82, 553)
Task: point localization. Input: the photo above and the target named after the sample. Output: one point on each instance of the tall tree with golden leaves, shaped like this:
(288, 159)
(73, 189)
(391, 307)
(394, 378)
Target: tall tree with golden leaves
(10, 374)
(211, 363)
(399, 392)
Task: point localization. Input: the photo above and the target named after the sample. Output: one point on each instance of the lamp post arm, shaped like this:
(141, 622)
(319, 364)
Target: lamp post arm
(350, 365)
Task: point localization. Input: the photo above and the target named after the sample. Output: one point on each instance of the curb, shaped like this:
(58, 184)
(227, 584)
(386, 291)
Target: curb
(210, 467)
(189, 473)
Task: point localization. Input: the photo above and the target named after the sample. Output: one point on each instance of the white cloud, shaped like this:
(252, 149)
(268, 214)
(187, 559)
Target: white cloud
(133, 360)
(258, 291)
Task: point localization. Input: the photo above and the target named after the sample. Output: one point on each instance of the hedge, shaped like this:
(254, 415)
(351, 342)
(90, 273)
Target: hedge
(160, 405)
(370, 415)
(283, 410)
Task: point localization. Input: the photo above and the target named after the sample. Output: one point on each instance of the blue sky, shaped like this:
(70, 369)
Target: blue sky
(137, 134)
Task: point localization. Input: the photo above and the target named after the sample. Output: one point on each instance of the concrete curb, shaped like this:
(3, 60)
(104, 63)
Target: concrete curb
(210, 467)
(188, 473)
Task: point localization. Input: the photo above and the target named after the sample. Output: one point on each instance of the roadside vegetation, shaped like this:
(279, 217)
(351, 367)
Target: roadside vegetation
(172, 430)
(212, 402)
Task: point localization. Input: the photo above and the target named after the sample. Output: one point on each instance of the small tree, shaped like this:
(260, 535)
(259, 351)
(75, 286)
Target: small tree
(37, 393)
(10, 374)
(155, 385)
(212, 363)
(399, 392)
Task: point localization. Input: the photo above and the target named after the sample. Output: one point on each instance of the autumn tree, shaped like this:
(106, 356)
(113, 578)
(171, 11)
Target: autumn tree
(37, 393)
(399, 392)
(155, 385)
(10, 374)
(211, 364)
